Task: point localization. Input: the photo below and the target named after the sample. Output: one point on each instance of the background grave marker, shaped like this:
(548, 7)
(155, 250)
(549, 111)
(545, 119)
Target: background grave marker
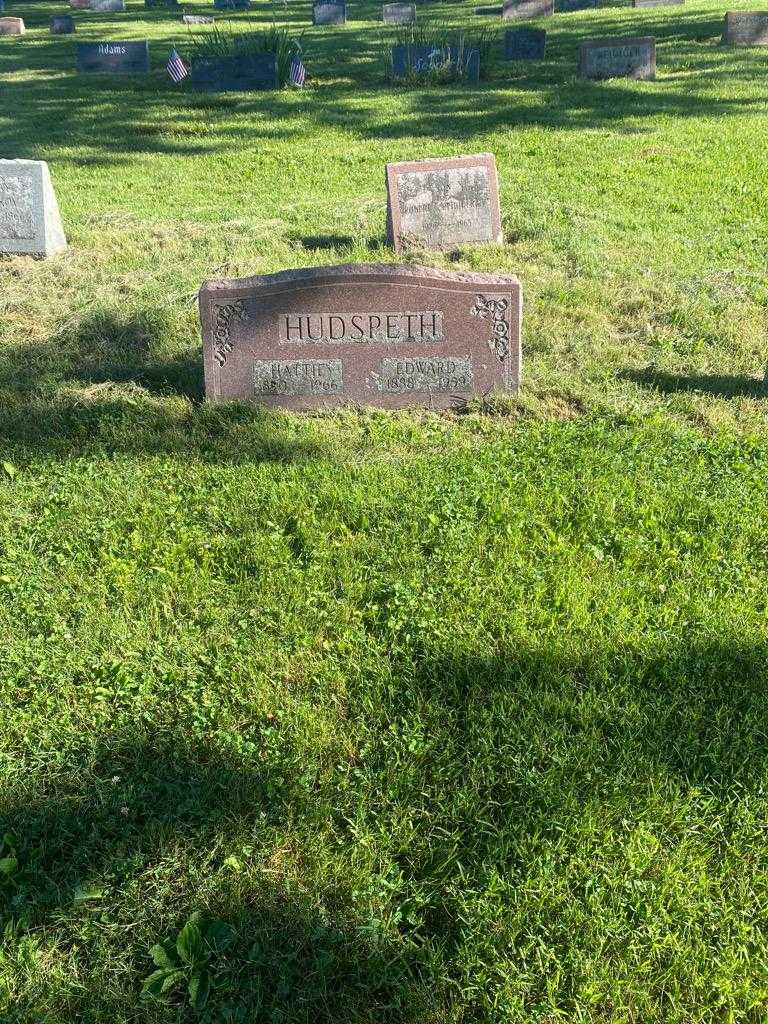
(440, 204)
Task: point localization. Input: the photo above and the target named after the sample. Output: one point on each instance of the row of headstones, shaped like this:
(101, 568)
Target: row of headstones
(441, 336)
(741, 28)
(316, 336)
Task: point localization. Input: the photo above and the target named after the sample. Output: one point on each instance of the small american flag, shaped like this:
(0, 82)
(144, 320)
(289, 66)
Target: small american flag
(176, 67)
(298, 71)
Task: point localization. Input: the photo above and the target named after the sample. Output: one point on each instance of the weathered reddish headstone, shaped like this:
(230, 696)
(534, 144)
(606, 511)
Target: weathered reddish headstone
(368, 334)
(440, 204)
(12, 27)
(745, 28)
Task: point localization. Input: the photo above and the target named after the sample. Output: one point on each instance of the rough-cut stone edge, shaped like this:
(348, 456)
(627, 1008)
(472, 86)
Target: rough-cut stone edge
(360, 271)
(617, 41)
(440, 164)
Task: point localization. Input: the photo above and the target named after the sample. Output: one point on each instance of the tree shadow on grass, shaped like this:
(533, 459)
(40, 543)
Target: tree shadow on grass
(111, 120)
(130, 806)
(716, 384)
(106, 384)
(492, 762)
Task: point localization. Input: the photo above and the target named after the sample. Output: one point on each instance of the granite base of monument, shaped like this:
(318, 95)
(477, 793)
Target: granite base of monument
(364, 334)
(30, 222)
(618, 58)
(745, 28)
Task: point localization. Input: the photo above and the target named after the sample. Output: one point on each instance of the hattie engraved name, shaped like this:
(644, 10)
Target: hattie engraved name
(353, 328)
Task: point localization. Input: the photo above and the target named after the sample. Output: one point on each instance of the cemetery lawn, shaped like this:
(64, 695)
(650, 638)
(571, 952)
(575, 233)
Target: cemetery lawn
(434, 718)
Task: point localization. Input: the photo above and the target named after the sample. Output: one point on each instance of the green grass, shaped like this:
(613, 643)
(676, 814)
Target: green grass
(449, 718)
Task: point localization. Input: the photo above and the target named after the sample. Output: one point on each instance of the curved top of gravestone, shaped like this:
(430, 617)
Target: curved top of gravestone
(359, 273)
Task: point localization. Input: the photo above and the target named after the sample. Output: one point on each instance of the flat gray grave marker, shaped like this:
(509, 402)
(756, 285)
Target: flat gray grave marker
(569, 6)
(440, 204)
(745, 28)
(399, 14)
(198, 19)
(525, 43)
(528, 9)
(30, 223)
(115, 58)
(618, 58)
(363, 334)
(656, 3)
(107, 6)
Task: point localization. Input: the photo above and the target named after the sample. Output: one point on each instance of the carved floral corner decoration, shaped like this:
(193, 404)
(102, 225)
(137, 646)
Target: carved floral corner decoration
(226, 314)
(494, 308)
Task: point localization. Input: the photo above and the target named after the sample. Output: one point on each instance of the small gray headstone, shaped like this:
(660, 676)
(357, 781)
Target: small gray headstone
(30, 223)
(198, 19)
(107, 6)
(329, 12)
(526, 9)
(525, 43)
(440, 204)
(746, 28)
(399, 13)
(12, 27)
(119, 58)
(62, 25)
(618, 58)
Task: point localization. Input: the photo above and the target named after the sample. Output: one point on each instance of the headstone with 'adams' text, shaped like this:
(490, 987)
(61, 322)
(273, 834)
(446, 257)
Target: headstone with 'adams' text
(30, 223)
(116, 58)
(363, 334)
